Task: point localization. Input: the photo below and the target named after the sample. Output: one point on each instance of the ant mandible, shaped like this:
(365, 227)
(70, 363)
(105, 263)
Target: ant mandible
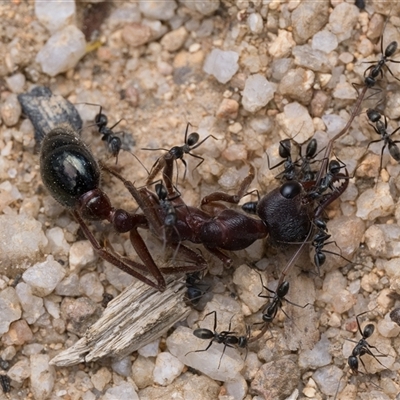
(227, 338)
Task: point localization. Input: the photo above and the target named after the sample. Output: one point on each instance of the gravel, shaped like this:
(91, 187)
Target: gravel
(250, 74)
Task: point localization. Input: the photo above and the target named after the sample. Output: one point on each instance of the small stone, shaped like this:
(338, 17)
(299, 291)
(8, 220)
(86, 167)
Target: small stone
(324, 41)
(10, 309)
(122, 367)
(343, 301)
(136, 34)
(20, 370)
(205, 7)
(276, 379)
(282, 45)
(162, 10)
(255, 23)
(387, 327)
(69, 286)
(248, 283)
(18, 334)
(57, 243)
(298, 85)
(91, 287)
(344, 91)
(228, 109)
(9, 193)
(101, 378)
(80, 314)
(55, 15)
(62, 51)
(222, 64)
(16, 82)
(327, 379)
(32, 305)
(308, 18)
(319, 103)
(167, 369)
(174, 40)
(122, 391)
(44, 277)
(376, 202)
(235, 152)
(376, 240)
(142, 372)
(342, 20)
(318, 356)
(257, 93)
(42, 376)
(305, 56)
(280, 67)
(10, 110)
(151, 349)
(236, 388)
(52, 308)
(296, 122)
(80, 254)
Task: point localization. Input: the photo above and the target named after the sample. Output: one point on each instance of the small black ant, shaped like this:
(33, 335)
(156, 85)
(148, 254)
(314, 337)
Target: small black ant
(381, 129)
(178, 152)
(113, 141)
(227, 338)
(196, 289)
(363, 347)
(5, 383)
(289, 167)
(270, 311)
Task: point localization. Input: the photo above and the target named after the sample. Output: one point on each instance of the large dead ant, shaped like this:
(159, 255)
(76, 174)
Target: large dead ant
(177, 153)
(363, 347)
(227, 338)
(381, 129)
(72, 176)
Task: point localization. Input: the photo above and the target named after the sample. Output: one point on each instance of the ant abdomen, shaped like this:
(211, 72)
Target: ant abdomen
(68, 168)
(285, 214)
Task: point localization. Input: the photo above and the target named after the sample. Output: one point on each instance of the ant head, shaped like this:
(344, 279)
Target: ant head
(101, 120)
(283, 289)
(373, 115)
(192, 139)
(285, 147)
(290, 190)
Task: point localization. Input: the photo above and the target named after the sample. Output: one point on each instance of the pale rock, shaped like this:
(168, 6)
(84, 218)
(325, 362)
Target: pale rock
(316, 357)
(324, 41)
(298, 84)
(257, 92)
(255, 23)
(121, 391)
(174, 40)
(52, 308)
(20, 370)
(101, 378)
(375, 203)
(10, 310)
(55, 15)
(142, 371)
(327, 379)
(57, 243)
(282, 45)
(236, 389)
(69, 286)
(342, 20)
(62, 51)
(151, 349)
(123, 367)
(91, 286)
(305, 56)
(167, 369)
(42, 376)
(375, 239)
(16, 82)
(162, 10)
(18, 334)
(222, 64)
(204, 7)
(44, 277)
(31, 305)
(295, 121)
(80, 254)
(10, 110)
(387, 328)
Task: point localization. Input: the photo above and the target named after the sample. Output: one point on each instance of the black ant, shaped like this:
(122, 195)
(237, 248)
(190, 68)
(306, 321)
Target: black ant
(270, 311)
(227, 338)
(363, 347)
(72, 176)
(113, 141)
(178, 152)
(381, 129)
(196, 289)
(5, 383)
(289, 167)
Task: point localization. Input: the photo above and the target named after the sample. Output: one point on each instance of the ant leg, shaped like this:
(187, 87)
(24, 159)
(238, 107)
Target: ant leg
(227, 261)
(118, 261)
